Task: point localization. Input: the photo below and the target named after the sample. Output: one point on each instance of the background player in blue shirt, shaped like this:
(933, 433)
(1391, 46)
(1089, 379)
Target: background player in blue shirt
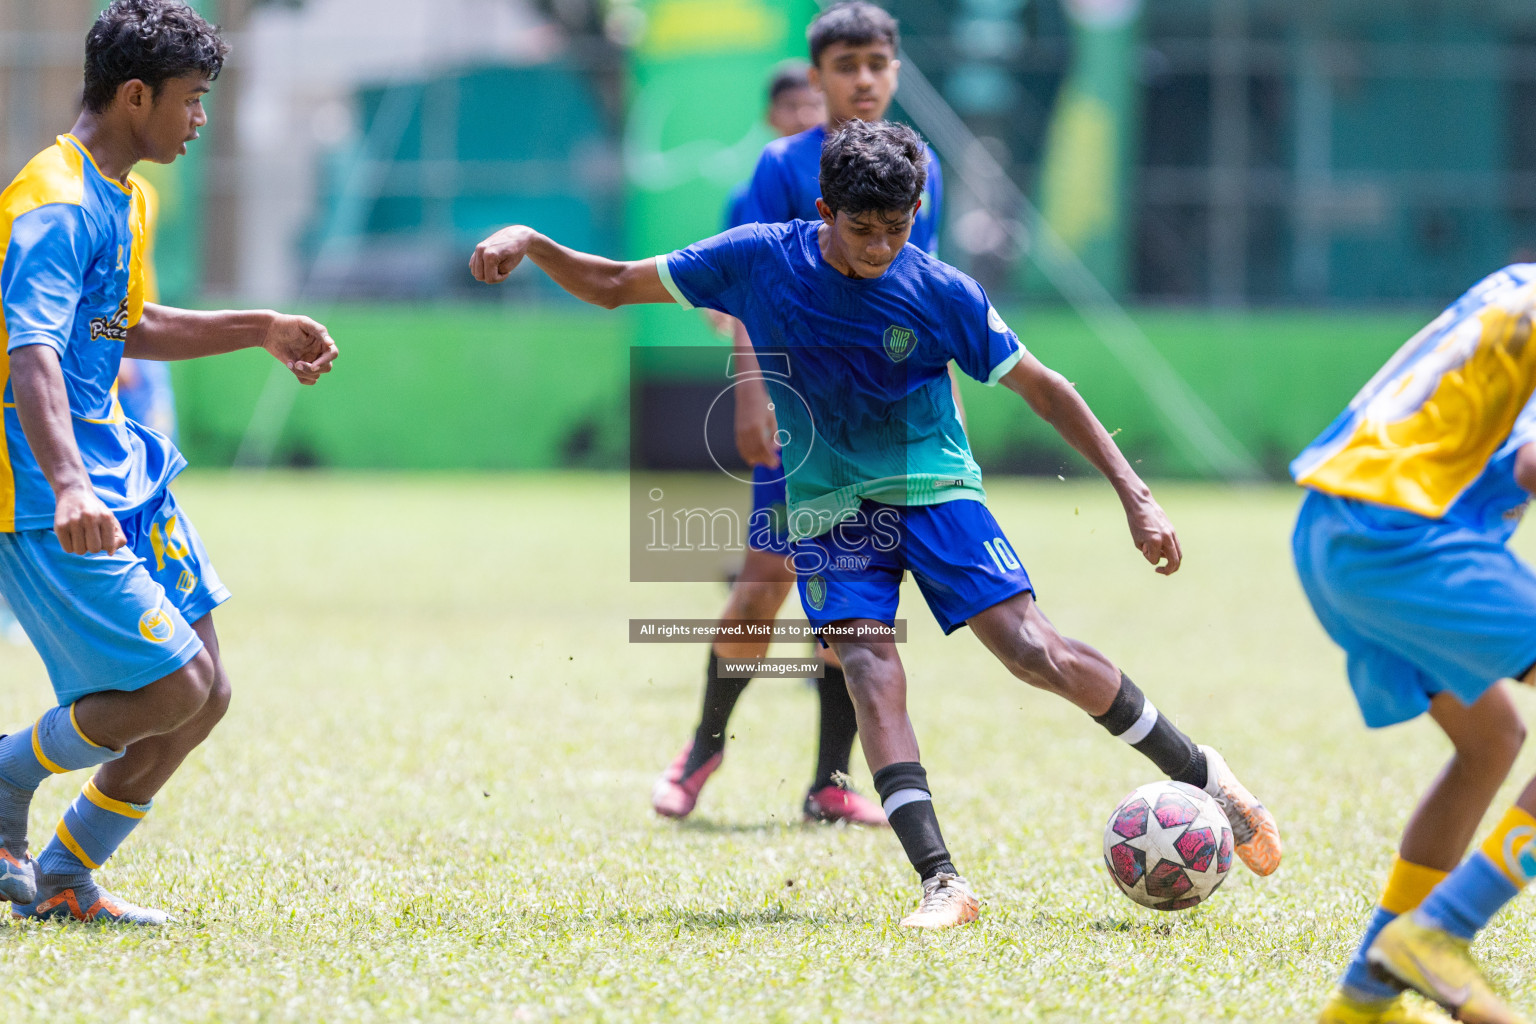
(880, 476)
(102, 567)
(1402, 549)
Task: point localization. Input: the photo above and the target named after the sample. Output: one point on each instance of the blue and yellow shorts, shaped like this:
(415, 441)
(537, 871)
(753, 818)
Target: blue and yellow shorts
(118, 621)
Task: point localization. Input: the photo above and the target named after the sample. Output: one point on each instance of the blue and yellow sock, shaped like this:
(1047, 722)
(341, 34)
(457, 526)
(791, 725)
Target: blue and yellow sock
(91, 830)
(52, 746)
(1408, 885)
(1487, 880)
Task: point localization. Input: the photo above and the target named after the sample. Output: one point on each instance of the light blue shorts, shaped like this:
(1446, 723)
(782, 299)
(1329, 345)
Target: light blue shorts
(118, 621)
(1419, 606)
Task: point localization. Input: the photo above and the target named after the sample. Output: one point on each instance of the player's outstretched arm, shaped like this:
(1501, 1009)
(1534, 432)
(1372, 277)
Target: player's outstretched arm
(1055, 400)
(167, 333)
(83, 523)
(602, 282)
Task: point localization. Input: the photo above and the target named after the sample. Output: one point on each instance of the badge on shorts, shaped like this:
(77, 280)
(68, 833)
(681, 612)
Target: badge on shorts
(816, 591)
(186, 582)
(156, 626)
(899, 342)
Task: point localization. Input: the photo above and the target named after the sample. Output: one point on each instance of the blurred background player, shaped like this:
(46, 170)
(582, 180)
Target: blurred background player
(883, 502)
(1402, 548)
(102, 567)
(854, 69)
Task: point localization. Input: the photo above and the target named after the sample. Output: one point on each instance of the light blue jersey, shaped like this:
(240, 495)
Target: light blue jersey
(72, 278)
(857, 368)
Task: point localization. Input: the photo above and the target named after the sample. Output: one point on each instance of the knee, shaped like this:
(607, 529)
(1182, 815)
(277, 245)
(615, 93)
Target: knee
(217, 703)
(872, 680)
(1498, 747)
(188, 690)
(1506, 743)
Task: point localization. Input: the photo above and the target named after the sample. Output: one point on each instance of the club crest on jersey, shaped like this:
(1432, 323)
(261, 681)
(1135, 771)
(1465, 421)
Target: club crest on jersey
(899, 343)
(156, 626)
(114, 327)
(816, 591)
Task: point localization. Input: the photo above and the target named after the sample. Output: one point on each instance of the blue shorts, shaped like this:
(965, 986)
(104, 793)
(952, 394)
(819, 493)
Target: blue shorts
(955, 551)
(768, 528)
(1419, 606)
(118, 621)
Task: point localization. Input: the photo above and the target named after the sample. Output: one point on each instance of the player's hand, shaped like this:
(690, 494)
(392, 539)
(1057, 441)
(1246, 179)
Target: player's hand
(302, 345)
(756, 424)
(496, 257)
(84, 525)
(1153, 534)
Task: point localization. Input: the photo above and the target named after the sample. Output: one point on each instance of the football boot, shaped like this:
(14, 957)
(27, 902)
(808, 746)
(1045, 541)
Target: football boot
(1343, 1008)
(947, 902)
(1253, 828)
(1438, 966)
(81, 899)
(674, 796)
(834, 803)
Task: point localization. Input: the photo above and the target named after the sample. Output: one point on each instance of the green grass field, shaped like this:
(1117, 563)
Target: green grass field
(429, 801)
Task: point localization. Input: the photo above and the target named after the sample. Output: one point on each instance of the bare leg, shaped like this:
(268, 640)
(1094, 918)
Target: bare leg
(1023, 639)
(878, 685)
(140, 773)
(1487, 737)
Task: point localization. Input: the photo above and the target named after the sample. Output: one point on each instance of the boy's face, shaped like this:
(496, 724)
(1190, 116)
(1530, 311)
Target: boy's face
(796, 110)
(858, 81)
(167, 121)
(864, 244)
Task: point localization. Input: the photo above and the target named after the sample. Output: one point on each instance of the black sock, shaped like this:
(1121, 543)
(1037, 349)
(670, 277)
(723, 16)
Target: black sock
(720, 697)
(1135, 720)
(839, 726)
(912, 818)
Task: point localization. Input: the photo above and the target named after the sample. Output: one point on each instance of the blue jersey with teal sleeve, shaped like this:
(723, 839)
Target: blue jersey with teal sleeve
(72, 278)
(857, 368)
(787, 182)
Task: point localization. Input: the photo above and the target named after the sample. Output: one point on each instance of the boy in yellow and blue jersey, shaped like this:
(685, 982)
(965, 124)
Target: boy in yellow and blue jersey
(102, 567)
(1402, 549)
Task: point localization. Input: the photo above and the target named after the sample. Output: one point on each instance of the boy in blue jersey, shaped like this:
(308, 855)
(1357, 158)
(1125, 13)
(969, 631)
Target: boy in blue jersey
(1401, 545)
(103, 568)
(881, 478)
(853, 65)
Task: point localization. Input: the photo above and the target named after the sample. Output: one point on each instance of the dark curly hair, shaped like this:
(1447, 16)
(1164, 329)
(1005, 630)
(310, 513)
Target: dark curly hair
(873, 166)
(856, 23)
(151, 40)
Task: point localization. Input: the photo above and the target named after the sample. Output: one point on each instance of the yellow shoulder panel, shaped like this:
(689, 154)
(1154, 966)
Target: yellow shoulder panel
(56, 175)
(138, 286)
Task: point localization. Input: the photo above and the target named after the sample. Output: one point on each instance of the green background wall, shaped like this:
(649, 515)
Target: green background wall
(498, 388)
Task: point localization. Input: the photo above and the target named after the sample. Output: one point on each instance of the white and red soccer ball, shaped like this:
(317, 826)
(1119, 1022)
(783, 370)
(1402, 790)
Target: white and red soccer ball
(1168, 846)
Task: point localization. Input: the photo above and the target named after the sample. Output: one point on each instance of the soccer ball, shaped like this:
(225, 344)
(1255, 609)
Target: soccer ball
(1168, 846)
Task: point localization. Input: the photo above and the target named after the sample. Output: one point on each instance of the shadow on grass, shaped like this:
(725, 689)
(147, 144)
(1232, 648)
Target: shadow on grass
(721, 919)
(1122, 924)
(731, 827)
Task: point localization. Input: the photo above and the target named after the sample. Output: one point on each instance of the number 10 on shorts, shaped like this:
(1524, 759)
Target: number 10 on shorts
(1002, 555)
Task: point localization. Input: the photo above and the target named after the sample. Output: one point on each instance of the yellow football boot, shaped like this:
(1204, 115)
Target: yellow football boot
(1439, 966)
(1342, 1008)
